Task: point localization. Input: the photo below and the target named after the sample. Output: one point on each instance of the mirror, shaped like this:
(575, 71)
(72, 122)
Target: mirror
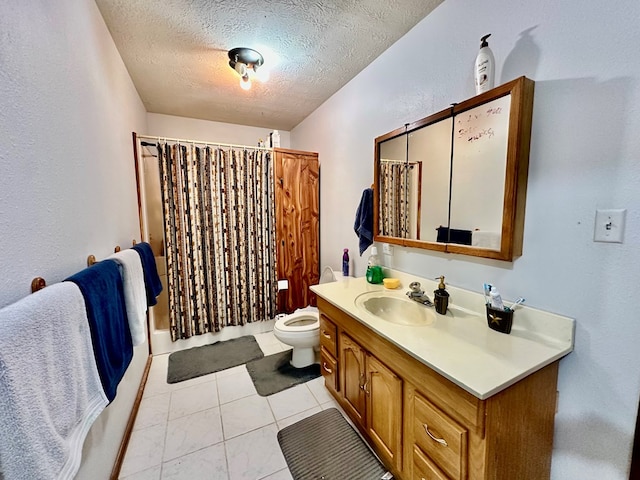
(456, 181)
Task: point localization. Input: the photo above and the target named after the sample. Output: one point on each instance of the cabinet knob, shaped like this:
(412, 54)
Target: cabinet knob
(441, 441)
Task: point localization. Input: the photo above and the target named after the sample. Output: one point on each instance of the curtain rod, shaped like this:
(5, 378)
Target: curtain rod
(403, 162)
(200, 142)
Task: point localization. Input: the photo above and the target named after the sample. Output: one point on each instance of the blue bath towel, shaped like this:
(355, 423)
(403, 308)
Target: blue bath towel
(151, 279)
(101, 287)
(364, 220)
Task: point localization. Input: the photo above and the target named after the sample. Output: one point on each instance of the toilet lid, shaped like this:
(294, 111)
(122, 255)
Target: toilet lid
(299, 322)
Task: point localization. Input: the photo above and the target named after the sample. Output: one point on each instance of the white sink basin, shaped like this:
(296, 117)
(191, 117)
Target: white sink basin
(395, 308)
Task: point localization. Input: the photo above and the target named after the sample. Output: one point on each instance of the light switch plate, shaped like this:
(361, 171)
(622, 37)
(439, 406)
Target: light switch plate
(387, 249)
(609, 225)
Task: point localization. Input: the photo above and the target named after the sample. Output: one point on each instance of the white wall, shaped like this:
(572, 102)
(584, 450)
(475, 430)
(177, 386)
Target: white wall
(67, 184)
(193, 129)
(584, 155)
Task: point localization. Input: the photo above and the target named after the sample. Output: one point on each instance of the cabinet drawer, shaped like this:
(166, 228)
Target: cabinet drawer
(423, 469)
(441, 438)
(329, 369)
(328, 335)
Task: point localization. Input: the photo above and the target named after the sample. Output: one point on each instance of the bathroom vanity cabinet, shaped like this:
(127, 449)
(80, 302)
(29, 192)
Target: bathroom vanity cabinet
(424, 426)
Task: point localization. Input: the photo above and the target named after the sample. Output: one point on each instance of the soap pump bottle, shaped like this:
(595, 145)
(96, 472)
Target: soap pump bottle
(485, 67)
(441, 297)
(374, 270)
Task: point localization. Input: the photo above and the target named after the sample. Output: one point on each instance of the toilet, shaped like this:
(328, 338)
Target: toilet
(301, 329)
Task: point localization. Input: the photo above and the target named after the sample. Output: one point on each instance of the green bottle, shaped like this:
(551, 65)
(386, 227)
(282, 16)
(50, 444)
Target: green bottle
(374, 270)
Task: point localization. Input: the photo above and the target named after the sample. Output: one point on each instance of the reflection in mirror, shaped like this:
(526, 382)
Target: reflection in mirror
(466, 192)
(426, 147)
(395, 182)
(477, 191)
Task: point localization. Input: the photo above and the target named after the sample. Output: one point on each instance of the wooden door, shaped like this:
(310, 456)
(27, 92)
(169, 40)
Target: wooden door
(352, 377)
(297, 225)
(383, 390)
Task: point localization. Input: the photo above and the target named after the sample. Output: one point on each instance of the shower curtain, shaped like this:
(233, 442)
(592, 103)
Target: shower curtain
(218, 206)
(394, 199)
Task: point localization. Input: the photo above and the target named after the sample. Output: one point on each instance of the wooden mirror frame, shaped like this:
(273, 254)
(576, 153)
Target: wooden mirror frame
(516, 171)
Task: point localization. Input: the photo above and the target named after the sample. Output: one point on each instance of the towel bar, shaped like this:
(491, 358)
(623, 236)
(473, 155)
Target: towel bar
(37, 283)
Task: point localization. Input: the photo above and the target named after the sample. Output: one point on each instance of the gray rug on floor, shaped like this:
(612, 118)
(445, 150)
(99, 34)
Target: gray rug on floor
(198, 361)
(274, 373)
(325, 446)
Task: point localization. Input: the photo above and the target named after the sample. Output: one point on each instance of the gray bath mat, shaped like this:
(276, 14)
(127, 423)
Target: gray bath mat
(326, 446)
(274, 373)
(198, 361)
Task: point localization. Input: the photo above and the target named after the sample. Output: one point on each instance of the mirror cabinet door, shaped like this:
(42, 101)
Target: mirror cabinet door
(478, 175)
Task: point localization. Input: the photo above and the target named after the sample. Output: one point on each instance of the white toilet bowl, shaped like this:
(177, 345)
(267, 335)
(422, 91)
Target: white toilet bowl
(301, 330)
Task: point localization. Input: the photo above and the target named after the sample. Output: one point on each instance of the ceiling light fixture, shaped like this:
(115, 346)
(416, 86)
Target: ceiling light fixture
(245, 61)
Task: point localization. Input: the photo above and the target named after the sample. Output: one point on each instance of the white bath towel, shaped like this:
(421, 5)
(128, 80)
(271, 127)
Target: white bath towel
(135, 296)
(50, 390)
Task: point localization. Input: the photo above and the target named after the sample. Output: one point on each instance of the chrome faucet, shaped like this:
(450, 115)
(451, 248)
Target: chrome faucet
(418, 295)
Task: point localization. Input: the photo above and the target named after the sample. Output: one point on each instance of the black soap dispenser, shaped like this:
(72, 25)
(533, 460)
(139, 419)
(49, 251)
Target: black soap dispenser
(441, 297)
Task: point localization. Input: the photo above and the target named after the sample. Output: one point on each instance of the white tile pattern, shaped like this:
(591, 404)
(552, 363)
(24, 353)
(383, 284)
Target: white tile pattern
(216, 426)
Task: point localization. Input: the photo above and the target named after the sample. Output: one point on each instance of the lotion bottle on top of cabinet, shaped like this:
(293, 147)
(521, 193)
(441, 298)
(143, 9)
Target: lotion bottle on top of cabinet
(485, 67)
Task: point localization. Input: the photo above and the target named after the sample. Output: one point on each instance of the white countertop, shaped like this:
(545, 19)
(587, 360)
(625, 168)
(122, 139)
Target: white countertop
(460, 345)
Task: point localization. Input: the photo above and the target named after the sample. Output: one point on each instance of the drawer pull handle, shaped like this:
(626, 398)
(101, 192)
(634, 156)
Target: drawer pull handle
(327, 369)
(326, 335)
(441, 441)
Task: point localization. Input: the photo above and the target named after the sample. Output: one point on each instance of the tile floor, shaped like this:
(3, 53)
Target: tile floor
(216, 426)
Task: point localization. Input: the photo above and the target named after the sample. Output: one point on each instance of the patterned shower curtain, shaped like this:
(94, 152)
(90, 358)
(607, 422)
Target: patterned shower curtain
(219, 211)
(394, 199)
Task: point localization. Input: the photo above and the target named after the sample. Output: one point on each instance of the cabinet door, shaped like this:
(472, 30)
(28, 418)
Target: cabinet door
(352, 376)
(383, 390)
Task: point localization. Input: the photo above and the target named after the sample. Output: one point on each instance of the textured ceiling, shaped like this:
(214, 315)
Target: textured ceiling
(176, 52)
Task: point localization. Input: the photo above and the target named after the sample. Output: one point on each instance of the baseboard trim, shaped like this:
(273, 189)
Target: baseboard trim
(132, 420)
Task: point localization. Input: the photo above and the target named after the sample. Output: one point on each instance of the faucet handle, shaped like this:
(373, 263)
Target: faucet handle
(415, 286)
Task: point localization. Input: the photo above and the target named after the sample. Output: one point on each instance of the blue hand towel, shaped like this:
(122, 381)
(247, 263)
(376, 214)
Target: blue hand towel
(151, 279)
(102, 289)
(364, 220)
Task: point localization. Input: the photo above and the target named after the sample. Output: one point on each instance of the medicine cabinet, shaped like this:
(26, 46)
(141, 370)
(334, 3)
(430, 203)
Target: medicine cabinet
(456, 181)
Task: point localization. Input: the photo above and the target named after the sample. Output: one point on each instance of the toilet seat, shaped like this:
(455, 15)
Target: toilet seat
(299, 321)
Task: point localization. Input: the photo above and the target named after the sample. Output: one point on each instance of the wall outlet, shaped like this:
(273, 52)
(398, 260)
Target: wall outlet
(387, 249)
(609, 226)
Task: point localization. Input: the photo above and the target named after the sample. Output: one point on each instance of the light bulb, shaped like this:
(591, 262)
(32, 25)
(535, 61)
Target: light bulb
(262, 74)
(245, 83)
(241, 68)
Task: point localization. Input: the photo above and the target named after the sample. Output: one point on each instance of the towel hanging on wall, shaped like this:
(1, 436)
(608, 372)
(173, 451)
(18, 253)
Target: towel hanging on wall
(151, 278)
(135, 295)
(50, 390)
(101, 286)
(364, 220)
